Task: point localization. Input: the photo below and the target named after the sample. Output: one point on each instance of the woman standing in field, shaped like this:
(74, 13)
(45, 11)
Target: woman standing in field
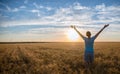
(89, 44)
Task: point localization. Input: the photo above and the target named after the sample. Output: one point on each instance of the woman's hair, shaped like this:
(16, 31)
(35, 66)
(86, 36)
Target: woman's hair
(88, 33)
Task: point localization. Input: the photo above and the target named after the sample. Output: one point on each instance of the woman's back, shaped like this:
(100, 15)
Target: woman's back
(89, 44)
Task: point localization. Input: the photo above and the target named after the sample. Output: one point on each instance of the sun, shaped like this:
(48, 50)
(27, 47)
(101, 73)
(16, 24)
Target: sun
(72, 35)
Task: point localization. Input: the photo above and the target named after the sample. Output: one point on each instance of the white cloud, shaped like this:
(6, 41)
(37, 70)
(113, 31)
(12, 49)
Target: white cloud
(15, 10)
(108, 14)
(101, 7)
(22, 7)
(48, 8)
(77, 6)
(34, 11)
(91, 17)
(48, 30)
(42, 7)
(75, 14)
(37, 6)
(6, 6)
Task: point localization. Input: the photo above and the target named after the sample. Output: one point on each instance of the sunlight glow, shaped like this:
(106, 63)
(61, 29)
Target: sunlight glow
(72, 35)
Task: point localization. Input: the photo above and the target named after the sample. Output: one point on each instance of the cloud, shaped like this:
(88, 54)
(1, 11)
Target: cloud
(15, 10)
(6, 6)
(77, 6)
(48, 30)
(37, 6)
(56, 24)
(48, 8)
(110, 13)
(8, 9)
(34, 11)
(22, 7)
(75, 14)
(101, 7)
(42, 7)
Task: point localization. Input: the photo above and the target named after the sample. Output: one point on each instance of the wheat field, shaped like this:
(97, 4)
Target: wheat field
(58, 58)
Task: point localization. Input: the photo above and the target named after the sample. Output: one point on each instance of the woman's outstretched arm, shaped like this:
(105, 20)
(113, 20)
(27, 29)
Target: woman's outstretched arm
(101, 30)
(77, 31)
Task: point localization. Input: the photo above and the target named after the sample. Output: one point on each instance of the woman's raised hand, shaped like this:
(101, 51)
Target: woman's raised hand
(106, 25)
(73, 26)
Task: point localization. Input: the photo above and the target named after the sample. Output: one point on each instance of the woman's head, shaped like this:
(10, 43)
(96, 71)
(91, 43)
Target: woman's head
(88, 34)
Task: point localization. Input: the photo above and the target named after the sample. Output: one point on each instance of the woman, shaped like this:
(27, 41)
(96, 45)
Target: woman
(89, 43)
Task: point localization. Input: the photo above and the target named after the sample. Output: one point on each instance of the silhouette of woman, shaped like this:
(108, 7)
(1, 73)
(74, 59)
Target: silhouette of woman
(89, 44)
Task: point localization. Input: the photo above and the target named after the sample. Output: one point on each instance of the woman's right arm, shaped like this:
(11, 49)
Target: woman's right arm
(77, 31)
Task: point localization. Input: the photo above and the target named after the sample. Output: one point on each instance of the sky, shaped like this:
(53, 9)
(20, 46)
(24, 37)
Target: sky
(50, 20)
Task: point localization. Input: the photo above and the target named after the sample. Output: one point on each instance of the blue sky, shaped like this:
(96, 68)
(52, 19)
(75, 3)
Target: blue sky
(45, 20)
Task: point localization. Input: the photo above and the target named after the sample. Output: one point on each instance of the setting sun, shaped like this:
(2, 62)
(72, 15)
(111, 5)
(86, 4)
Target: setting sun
(72, 35)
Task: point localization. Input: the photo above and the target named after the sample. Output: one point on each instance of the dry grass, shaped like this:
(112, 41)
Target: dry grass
(58, 58)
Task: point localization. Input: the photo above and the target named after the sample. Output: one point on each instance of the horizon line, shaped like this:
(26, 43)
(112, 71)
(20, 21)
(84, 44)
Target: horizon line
(55, 42)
